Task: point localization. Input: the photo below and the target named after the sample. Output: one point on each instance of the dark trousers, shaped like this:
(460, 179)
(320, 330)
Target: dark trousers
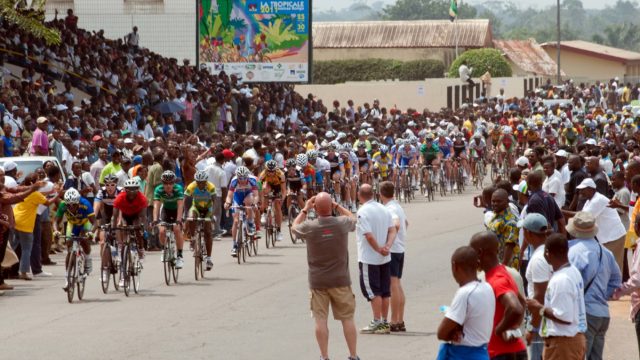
(637, 323)
(470, 82)
(36, 250)
(523, 271)
(522, 355)
(47, 238)
(596, 332)
(3, 247)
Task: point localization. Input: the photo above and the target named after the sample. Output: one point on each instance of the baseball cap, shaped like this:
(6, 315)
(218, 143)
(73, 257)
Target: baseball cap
(42, 120)
(528, 152)
(96, 138)
(534, 222)
(9, 166)
(591, 142)
(228, 153)
(522, 161)
(562, 153)
(137, 159)
(128, 141)
(586, 183)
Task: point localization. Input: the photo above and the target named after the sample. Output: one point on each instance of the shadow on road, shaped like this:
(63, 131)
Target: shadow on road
(151, 293)
(91, 301)
(414, 333)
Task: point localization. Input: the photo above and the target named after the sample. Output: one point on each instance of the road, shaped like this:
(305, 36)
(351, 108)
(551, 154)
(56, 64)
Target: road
(258, 310)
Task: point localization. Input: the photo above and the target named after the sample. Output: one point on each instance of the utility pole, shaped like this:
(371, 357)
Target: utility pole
(558, 46)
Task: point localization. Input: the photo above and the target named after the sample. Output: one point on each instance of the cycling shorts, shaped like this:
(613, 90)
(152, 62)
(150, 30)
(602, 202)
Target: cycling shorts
(319, 177)
(405, 161)
(240, 197)
(169, 215)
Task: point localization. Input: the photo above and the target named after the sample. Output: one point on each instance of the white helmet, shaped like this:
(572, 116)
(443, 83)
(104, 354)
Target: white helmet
(363, 132)
(72, 196)
(201, 176)
(302, 160)
(132, 184)
(242, 172)
(507, 129)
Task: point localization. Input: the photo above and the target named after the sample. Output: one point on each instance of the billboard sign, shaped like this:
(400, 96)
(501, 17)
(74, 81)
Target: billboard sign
(257, 40)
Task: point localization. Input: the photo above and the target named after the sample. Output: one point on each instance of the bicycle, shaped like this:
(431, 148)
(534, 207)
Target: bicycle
(169, 254)
(76, 276)
(427, 186)
(242, 234)
(376, 184)
(199, 246)
(495, 171)
(405, 183)
(458, 179)
(480, 169)
(293, 212)
(131, 268)
(110, 260)
(442, 180)
(269, 227)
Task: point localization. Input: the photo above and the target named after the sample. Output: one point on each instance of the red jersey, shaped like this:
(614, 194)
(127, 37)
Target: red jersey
(501, 283)
(130, 208)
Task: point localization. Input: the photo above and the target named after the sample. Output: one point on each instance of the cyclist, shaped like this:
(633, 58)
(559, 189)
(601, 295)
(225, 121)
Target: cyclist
(477, 149)
(273, 184)
(570, 135)
(130, 208)
(460, 152)
(170, 197)
(382, 163)
(243, 191)
(296, 183)
(521, 137)
(533, 135)
(103, 205)
(321, 166)
(495, 133)
(405, 158)
(350, 162)
(336, 169)
(202, 194)
(446, 148)
(308, 171)
(430, 156)
(364, 162)
(507, 146)
(80, 220)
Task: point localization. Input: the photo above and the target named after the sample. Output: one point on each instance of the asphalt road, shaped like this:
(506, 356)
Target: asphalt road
(258, 310)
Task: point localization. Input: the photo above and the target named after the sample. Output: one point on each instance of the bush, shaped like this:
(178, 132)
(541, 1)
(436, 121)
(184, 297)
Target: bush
(340, 71)
(482, 60)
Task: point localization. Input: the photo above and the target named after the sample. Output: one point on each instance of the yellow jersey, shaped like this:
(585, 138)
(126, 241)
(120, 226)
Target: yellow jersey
(273, 178)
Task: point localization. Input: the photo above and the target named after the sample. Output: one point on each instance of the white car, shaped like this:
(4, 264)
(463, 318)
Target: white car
(28, 164)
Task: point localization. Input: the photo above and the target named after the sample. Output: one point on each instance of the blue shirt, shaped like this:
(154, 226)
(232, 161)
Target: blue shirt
(8, 146)
(584, 255)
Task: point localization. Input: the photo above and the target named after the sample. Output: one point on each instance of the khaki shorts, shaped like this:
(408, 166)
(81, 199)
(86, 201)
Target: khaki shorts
(342, 300)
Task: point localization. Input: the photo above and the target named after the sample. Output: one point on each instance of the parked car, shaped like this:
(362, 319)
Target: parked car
(28, 164)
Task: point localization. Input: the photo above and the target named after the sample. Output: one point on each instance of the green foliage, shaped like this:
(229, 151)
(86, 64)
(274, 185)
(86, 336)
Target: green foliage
(425, 10)
(481, 61)
(340, 71)
(29, 19)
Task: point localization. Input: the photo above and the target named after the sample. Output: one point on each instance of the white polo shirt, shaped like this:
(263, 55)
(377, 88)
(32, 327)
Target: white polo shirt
(610, 226)
(397, 213)
(473, 307)
(538, 270)
(555, 185)
(373, 218)
(565, 296)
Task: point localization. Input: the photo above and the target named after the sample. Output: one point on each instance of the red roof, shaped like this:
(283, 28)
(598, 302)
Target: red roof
(528, 55)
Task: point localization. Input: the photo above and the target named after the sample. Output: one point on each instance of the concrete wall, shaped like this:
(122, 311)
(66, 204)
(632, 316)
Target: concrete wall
(446, 55)
(580, 66)
(430, 93)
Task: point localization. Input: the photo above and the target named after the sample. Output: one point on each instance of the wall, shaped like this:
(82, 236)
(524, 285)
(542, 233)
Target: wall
(445, 55)
(430, 93)
(587, 67)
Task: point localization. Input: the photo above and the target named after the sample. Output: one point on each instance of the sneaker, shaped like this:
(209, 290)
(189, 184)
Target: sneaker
(25, 276)
(353, 358)
(263, 219)
(43, 274)
(66, 286)
(179, 262)
(383, 328)
(371, 328)
(279, 237)
(209, 264)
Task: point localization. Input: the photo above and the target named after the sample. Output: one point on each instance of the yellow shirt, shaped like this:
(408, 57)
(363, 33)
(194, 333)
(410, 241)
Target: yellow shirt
(25, 212)
(310, 146)
(273, 178)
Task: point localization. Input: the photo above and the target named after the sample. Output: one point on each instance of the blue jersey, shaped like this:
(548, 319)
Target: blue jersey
(445, 148)
(250, 186)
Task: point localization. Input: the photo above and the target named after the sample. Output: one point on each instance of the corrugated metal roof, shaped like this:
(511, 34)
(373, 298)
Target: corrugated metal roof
(597, 50)
(528, 55)
(402, 34)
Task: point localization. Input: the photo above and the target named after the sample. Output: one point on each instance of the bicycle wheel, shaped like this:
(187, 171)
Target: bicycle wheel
(267, 228)
(254, 245)
(71, 278)
(126, 269)
(239, 246)
(137, 272)
(105, 268)
(203, 255)
(246, 251)
(82, 276)
(293, 214)
(274, 227)
(166, 260)
(197, 256)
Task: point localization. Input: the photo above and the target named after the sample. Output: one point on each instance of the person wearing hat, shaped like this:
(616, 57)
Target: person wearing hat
(112, 167)
(123, 173)
(522, 163)
(562, 166)
(600, 274)
(537, 274)
(10, 170)
(563, 308)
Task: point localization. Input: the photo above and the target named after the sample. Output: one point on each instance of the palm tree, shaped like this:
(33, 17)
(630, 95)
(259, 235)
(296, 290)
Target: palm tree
(30, 19)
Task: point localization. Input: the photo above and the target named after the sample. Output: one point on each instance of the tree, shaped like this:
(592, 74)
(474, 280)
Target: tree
(482, 60)
(625, 36)
(30, 19)
(425, 10)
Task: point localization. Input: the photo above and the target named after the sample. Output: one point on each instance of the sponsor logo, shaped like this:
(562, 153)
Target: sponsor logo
(250, 66)
(267, 66)
(292, 72)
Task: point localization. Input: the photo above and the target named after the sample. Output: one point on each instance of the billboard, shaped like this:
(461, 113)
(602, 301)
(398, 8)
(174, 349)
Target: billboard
(257, 40)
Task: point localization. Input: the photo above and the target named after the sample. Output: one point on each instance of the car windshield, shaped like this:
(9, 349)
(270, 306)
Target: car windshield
(26, 167)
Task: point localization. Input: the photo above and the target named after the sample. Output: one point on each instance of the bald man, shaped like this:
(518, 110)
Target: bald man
(328, 259)
(509, 313)
(375, 233)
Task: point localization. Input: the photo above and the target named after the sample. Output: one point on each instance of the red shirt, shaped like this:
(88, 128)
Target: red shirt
(130, 208)
(501, 283)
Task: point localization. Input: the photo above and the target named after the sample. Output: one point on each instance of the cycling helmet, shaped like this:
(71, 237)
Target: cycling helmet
(302, 160)
(520, 127)
(398, 141)
(331, 147)
(168, 176)
(72, 196)
(411, 123)
(134, 184)
(459, 134)
(242, 172)
(506, 130)
(329, 134)
(363, 132)
(291, 163)
(442, 133)
(271, 165)
(201, 176)
(413, 140)
(362, 145)
(341, 135)
(111, 178)
(384, 149)
(347, 147)
(312, 155)
(429, 137)
(477, 136)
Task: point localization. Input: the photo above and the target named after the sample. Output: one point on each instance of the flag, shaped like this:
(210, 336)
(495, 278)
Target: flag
(453, 10)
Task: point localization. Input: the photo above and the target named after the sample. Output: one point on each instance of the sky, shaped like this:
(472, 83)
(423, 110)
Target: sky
(322, 5)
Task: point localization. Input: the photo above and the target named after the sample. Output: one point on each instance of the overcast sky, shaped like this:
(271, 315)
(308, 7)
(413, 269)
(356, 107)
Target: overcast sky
(320, 5)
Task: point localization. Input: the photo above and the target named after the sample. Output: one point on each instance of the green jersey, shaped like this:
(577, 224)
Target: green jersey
(430, 152)
(169, 201)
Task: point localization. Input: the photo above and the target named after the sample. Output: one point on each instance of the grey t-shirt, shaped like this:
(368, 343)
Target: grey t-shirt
(327, 250)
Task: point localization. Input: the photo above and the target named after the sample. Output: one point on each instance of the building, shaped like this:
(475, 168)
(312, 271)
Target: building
(586, 61)
(399, 40)
(527, 58)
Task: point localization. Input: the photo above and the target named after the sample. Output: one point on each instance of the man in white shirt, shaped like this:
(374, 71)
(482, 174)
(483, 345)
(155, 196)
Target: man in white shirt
(465, 73)
(553, 184)
(538, 273)
(564, 316)
(563, 167)
(375, 234)
(387, 191)
(9, 181)
(217, 177)
(611, 233)
(467, 323)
